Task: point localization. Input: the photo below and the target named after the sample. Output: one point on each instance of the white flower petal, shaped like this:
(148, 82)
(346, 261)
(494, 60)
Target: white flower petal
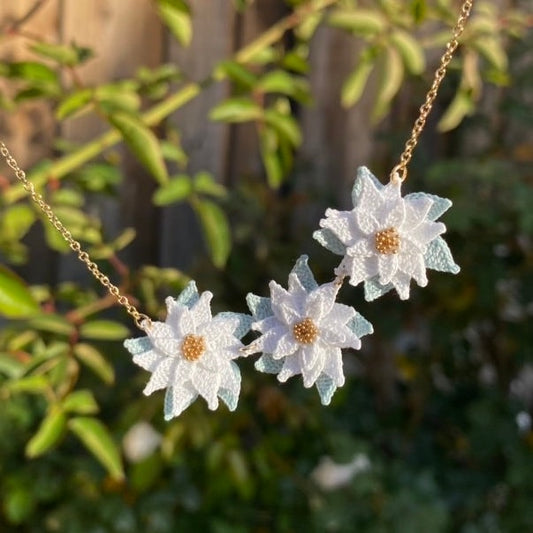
(292, 366)
(162, 376)
(284, 307)
(207, 385)
(362, 248)
(313, 352)
(426, 232)
(230, 379)
(387, 267)
(148, 360)
(343, 224)
(287, 345)
(391, 193)
(310, 354)
(320, 301)
(267, 342)
(201, 310)
(186, 323)
(401, 283)
(395, 216)
(367, 222)
(333, 366)
(340, 337)
(339, 314)
(162, 336)
(266, 324)
(414, 267)
(416, 211)
(178, 398)
(296, 289)
(371, 197)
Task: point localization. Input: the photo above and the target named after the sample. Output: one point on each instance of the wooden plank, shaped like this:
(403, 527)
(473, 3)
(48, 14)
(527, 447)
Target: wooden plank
(124, 35)
(205, 142)
(243, 146)
(30, 130)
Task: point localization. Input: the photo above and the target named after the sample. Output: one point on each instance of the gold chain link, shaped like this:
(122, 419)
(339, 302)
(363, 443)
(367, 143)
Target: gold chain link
(142, 321)
(400, 170)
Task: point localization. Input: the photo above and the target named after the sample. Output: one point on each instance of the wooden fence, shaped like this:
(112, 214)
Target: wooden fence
(126, 34)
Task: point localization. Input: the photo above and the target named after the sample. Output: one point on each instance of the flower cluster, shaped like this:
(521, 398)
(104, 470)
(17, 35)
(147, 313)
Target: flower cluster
(385, 240)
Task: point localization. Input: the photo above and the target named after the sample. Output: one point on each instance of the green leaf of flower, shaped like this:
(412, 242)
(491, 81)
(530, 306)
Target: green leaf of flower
(96, 438)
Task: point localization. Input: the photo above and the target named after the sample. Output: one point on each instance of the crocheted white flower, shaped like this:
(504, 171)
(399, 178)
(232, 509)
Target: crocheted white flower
(303, 331)
(192, 353)
(387, 239)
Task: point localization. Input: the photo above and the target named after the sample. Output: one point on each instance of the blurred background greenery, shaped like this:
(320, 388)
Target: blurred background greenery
(204, 139)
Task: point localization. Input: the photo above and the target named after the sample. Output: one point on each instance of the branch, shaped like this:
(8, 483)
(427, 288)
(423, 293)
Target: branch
(156, 114)
(15, 25)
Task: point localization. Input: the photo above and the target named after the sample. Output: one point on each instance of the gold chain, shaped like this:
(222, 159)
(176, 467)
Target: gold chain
(400, 170)
(142, 321)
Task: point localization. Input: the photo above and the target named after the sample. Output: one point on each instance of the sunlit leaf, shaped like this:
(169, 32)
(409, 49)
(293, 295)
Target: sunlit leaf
(81, 402)
(93, 359)
(216, 230)
(49, 433)
(143, 143)
(236, 110)
(103, 330)
(285, 125)
(16, 301)
(96, 438)
(353, 87)
(175, 14)
(410, 50)
(391, 78)
(460, 107)
(176, 190)
(360, 21)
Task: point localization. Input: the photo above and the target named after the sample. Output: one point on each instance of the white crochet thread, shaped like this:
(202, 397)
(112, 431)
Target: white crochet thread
(387, 239)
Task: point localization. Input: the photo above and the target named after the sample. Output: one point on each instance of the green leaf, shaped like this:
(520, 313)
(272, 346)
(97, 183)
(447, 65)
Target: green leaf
(10, 366)
(50, 431)
(175, 15)
(204, 183)
(81, 402)
(52, 323)
(74, 103)
(269, 154)
(236, 110)
(28, 71)
(461, 106)
(16, 301)
(94, 360)
(493, 51)
(173, 152)
(410, 50)
(277, 81)
(177, 189)
(352, 88)
(104, 330)
(237, 73)
(143, 143)
(16, 221)
(66, 55)
(216, 230)
(359, 21)
(33, 384)
(18, 504)
(118, 97)
(285, 125)
(391, 78)
(96, 438)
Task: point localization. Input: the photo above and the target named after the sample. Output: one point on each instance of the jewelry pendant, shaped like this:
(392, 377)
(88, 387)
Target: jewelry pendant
(387, 239)
(191, 354)
(303, 331)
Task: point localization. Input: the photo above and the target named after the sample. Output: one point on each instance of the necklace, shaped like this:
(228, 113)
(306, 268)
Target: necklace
(385, 241)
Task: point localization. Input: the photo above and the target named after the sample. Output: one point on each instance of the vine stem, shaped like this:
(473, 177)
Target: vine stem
(60, 168)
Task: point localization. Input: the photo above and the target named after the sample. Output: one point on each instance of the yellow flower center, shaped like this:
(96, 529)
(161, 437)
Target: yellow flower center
(387, 241)
(193, 347)
(305, 332)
